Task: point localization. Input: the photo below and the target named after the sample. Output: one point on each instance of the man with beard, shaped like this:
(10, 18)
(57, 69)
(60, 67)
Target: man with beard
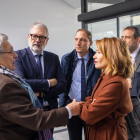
(41, 69)
(131, 36)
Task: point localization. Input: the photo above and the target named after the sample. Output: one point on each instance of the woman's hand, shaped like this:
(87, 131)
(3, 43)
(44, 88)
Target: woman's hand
(92, 101)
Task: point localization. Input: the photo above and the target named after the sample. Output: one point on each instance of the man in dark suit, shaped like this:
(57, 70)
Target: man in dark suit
(49, 81)
(41, 69)
(131, 36)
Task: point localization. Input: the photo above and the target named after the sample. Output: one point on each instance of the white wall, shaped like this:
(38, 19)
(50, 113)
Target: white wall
(17, 16)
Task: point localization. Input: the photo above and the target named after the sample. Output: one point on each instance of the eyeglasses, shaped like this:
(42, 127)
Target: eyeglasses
(12, 53)
(41, 38)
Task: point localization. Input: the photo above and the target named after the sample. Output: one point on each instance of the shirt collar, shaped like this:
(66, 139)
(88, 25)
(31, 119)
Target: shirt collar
(133, 54)
(34, 53)
(86, 57)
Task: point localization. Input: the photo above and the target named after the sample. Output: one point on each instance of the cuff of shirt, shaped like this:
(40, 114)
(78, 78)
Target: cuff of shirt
(70, 115)
(48, 82)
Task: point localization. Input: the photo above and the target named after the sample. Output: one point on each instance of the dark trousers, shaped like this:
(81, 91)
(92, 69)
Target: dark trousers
(75, 125)
(47, 108)
(136, 138)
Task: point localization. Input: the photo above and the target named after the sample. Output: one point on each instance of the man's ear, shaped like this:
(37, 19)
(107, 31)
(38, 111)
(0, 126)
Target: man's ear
(91, 42)
(138, 39)
(28, 35)
(46, 41)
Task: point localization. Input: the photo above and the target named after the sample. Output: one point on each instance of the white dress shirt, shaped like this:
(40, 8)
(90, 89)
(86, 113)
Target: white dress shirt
(134, 54)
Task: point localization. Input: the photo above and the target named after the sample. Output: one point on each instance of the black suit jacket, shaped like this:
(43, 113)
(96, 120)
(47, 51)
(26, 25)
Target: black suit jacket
(26, 67)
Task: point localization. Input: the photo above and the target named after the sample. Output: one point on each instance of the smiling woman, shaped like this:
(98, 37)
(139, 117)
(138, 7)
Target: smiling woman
(105, 109)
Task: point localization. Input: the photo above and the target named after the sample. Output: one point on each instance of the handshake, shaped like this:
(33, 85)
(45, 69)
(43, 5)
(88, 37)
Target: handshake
(75, 107)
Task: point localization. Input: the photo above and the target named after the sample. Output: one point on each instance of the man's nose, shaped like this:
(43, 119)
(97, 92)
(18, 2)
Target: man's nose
(78, 42)
(37, 40)
(15, 55)
(124, 39)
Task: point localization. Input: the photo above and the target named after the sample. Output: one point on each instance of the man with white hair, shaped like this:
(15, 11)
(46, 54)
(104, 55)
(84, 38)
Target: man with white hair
(41, 69)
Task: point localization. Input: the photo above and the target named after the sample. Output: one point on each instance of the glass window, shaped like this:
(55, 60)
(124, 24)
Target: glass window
(102, 29)
(98, 4)
(129, 20)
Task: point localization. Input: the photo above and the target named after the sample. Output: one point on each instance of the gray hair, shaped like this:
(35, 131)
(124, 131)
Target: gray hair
(3, 38)
(41, 25)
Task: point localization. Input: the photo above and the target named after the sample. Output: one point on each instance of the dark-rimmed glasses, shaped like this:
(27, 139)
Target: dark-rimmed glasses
(12, 53)
(41, 38)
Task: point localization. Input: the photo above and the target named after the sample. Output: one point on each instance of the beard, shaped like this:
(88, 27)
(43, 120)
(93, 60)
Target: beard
(132, 47)
(36, 47)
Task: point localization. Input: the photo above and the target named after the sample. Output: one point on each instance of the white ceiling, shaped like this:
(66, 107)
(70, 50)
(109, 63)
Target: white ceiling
(77, 3)
(73, 3)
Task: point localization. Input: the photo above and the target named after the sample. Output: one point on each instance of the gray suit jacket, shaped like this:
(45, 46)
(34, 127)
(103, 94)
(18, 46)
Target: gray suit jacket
(137, 60)
(135, 91)
(19, 120)
(133, 121)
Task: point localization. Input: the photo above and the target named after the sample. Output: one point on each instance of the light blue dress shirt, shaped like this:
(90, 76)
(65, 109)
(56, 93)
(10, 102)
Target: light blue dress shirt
(75, 90)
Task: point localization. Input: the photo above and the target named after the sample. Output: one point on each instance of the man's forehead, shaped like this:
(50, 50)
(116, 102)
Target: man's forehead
(128, 32)
(10, 47)
(81, 34)
(7, 45)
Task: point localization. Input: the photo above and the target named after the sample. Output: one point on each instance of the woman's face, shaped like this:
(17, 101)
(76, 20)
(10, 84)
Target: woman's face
(100, 61)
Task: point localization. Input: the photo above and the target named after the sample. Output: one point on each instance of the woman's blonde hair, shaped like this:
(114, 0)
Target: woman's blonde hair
(118, 56)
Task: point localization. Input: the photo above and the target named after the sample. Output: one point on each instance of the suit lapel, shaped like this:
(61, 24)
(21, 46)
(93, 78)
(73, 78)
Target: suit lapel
(137, 60)
(46, 63)
(32, 60)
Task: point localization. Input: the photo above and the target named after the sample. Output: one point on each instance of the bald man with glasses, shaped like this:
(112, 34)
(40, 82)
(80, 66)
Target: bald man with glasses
(41, 69)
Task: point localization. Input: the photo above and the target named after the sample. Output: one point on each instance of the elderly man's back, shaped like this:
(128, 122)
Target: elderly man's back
(17, 113)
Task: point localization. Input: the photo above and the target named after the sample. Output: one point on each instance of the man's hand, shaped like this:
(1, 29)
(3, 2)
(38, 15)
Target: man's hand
(37, 94)
(75, 107)
(53, 82)
(129, 82)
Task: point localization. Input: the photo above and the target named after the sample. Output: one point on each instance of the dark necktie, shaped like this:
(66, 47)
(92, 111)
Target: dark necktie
(38, 56)
(45, 134)
(83, 81)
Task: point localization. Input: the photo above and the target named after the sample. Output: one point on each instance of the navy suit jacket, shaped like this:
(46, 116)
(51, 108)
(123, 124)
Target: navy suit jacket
(26, 68)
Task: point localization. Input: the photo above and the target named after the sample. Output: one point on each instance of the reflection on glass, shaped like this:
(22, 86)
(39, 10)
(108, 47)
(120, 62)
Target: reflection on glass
(130, 20)
(98, 4)
(102, 29)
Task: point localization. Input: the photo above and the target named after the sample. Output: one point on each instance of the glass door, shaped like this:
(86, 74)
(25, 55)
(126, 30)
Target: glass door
(99, 30)
(129, 20)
